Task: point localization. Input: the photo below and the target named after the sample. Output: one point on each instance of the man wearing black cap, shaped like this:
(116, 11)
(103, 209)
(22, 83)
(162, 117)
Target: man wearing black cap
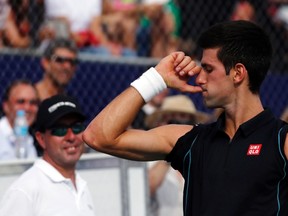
(51, 186)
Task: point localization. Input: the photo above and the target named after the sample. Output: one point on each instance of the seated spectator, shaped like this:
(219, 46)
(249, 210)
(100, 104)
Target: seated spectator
(281, 16)
(149, 108)
(261, 13)
(52, 186)
(5, 9)
(177, 109)
(20, 94)
(70, 19)
(116, 28)
(17, 26)
(59, 63)
(120, 22)
(244, 10)
(81, 21)
(161, 25)
(122, 17)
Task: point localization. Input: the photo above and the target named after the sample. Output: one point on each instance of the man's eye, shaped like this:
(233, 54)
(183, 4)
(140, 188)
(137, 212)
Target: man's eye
(208, 70)
(20, 101)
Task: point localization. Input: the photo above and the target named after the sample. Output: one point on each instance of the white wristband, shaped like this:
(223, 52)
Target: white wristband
(149, 84)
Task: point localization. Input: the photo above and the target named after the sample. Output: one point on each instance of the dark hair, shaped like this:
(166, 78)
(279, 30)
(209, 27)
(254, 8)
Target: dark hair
(241, 42)
(59, 43)
(20, 12)
(13, 84)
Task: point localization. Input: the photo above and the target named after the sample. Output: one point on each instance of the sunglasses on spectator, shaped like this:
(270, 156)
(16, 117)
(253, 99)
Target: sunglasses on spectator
(31, 102)
(61, 60)
(62, 130)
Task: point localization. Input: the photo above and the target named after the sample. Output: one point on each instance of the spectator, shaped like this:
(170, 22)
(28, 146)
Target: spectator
(117, 26)
(284, 115)
(198, 15)
(244, 10)
(234, 166)
(281, 16)
(278, 27)
(17, 25)
(59, 63)
(258, 11)
(136, 26)
(166, 184)
(52, 186)
(5, 9)
(36, 19)
(177, 109)
(71, 19)
(84, 23)
(165, 26)
(149, 108)
(20, 94)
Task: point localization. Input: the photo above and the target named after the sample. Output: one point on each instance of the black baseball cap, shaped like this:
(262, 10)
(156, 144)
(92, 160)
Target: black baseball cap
(54, 108)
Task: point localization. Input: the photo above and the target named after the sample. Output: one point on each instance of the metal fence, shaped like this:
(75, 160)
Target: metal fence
(98, 80)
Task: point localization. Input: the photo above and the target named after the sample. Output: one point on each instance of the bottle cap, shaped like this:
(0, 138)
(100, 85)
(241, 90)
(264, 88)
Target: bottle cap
(20, 113)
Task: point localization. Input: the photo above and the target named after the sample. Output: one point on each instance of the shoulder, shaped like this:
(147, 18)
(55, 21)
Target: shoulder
(187, 135)
(199, 129)
(30, 180)
(5, 126)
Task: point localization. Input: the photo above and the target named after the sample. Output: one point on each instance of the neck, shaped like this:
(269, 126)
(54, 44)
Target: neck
(240, 112)
(67, 171)
(46, 88)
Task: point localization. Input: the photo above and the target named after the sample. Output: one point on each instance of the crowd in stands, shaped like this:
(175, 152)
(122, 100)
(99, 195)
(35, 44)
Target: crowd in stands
(149, 28)
(117, 28)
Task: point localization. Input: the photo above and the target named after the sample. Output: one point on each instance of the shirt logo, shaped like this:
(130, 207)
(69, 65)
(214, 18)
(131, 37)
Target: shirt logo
(254, 149)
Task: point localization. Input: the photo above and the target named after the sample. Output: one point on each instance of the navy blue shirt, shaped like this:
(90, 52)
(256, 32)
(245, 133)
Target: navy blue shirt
(243, 176)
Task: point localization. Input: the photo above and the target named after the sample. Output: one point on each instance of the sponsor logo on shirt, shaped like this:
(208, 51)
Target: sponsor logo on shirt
(254, 149)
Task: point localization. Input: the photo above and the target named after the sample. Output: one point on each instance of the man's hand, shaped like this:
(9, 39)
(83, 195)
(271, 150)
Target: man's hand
(176, 69)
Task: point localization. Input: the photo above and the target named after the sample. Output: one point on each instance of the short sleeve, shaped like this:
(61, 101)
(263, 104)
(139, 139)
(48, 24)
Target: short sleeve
(16, 202)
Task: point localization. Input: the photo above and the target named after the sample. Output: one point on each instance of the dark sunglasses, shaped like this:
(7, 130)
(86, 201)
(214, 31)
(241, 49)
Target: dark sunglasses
(31, 102)
(61, 60)
(62, 130)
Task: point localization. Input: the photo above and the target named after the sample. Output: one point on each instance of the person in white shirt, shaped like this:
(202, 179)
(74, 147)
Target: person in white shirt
(52, 186)
(20, 94)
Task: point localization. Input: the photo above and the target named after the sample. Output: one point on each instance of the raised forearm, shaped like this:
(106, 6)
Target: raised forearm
(108, 131)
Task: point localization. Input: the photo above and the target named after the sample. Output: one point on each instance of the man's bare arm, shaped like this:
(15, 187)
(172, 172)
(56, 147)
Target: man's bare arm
(108, 131)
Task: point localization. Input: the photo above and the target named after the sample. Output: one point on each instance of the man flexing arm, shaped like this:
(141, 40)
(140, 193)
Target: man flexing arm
(108, 131)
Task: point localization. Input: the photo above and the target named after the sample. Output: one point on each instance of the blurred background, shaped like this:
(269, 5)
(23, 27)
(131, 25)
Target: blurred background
(118, 40)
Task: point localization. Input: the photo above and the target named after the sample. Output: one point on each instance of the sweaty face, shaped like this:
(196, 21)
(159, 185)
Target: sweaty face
(218, 88)
(63, 143)
(61, 67)
(22, 96)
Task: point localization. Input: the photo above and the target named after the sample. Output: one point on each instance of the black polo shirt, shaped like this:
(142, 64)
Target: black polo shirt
(243, 176)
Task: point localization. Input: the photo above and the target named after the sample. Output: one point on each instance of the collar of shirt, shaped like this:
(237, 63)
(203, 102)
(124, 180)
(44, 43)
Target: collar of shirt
(251, 125)
(5, 127)
(56, 176)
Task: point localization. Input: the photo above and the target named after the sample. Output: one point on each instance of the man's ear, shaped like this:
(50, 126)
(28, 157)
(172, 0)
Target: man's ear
(5, 107)
(239, 73)
(40, 139)
(45, 63)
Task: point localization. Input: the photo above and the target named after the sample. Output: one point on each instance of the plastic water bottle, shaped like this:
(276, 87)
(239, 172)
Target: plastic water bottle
(21, 134)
